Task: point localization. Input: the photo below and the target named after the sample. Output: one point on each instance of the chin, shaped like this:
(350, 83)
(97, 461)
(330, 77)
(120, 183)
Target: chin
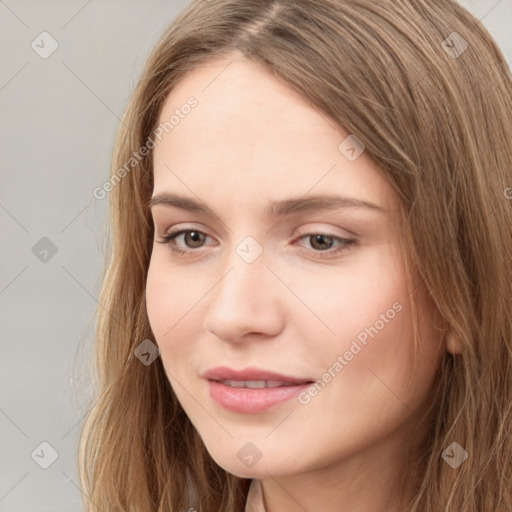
(261, 469)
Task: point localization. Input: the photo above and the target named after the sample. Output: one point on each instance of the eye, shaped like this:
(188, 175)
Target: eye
(323, 242)
(193, 239)
(320, 242)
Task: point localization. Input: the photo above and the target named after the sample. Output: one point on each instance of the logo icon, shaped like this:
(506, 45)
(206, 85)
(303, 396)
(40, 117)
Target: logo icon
(455, 45)
(454, 455)
(249, 454)
(351, 147)
(44, 45)
(44, 250)
(44, 455)
(146, 352)
(249, 249)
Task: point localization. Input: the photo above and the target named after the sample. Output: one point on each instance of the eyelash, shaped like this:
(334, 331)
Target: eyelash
(169, 240)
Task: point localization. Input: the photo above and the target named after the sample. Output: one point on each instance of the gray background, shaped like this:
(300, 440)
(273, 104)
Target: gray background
(58, 123)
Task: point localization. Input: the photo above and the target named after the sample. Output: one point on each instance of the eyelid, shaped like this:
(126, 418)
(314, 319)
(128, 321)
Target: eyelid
(319, 227)
(184, 226)
(307, 231)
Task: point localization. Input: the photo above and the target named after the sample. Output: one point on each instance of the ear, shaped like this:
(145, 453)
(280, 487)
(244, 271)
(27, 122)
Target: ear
(453, 343)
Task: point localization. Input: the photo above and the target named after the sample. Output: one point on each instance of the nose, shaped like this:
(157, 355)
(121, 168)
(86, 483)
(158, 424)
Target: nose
(247, 301)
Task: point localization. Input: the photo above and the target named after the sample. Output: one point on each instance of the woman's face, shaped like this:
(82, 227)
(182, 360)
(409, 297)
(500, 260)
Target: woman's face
(264, 282)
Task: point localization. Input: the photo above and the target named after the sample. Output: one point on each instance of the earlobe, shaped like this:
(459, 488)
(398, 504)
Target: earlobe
(453, 343)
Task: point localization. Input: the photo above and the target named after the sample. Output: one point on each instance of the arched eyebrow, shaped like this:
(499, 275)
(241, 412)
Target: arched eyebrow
(275, 208)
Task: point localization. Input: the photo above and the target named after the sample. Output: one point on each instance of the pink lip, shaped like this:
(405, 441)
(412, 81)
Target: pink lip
(251, 373)
(248, 400)
(252, 401)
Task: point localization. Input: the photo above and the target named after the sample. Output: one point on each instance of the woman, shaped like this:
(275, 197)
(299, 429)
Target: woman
(307, 304)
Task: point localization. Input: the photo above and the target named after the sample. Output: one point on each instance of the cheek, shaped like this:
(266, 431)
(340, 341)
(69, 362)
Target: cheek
(369, 366)
(368, 341)
(370, 291)
(157, 300)
(171, 294)
(175, 305)
(167, 302)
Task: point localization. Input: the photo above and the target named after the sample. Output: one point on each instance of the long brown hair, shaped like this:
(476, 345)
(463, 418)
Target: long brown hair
(426, 89)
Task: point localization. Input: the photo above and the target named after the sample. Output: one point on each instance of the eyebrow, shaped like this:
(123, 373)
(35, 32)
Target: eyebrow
(275, 208)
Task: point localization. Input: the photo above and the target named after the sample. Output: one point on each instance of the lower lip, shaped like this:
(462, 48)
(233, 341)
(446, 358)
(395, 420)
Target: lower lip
(251, 401)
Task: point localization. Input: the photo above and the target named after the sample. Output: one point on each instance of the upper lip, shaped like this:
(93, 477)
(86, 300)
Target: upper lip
(225, 373)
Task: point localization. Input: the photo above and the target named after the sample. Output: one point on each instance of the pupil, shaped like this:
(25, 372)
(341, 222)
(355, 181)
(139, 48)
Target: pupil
(195, 236)
(322, 239)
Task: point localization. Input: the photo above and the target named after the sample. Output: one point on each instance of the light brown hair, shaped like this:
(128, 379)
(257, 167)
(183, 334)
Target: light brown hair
(438, 121)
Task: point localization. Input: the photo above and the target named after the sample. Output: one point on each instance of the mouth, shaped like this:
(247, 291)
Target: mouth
(256, 384)
(252, 390)
(252, 376)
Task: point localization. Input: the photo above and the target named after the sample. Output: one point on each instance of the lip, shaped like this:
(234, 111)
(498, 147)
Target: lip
(251, 373)
(250, 400)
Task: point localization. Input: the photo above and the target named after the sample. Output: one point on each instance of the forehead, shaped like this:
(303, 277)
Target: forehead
(249, 133)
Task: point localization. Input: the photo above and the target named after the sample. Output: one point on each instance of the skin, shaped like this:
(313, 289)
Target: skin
(252, 140)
